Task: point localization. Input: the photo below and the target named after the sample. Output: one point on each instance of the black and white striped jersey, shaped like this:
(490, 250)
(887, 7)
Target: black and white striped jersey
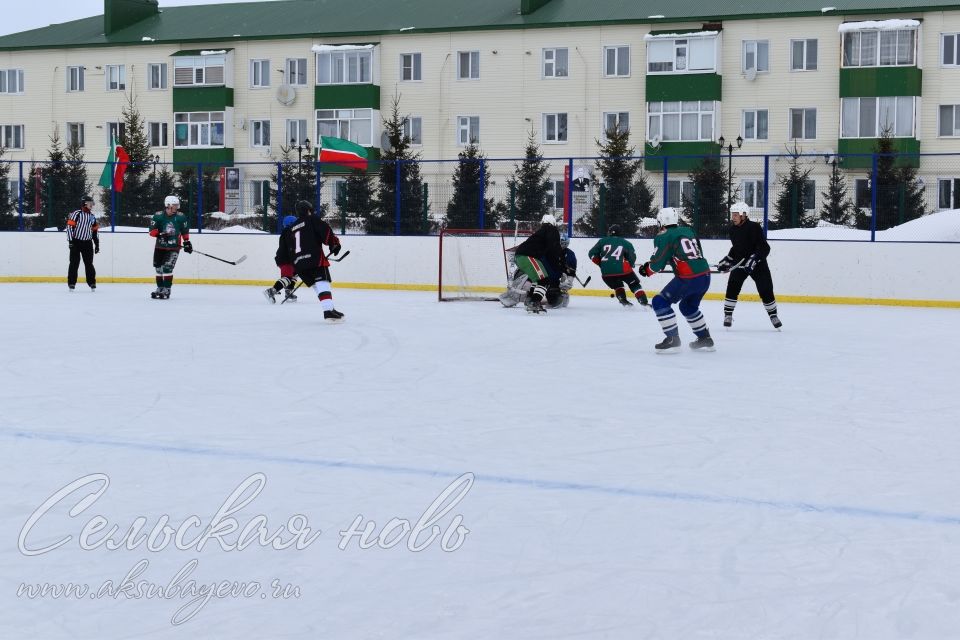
(81, 225)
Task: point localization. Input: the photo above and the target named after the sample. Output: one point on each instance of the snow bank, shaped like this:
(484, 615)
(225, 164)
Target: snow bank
(942, 226)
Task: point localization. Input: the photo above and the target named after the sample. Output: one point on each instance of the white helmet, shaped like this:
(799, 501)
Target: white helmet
(171, 200)
(740, 207)
(548, 219)
(668, 216)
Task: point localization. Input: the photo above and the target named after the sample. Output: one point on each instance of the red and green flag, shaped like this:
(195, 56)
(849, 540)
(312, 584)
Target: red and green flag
(342, 152)
(115, 168)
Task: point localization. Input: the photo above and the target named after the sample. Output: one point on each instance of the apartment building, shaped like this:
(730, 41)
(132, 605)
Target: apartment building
(234, 83)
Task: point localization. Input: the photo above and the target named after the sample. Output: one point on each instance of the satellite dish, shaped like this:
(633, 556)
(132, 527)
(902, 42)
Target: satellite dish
(750, 75)
(286, 95)
(655, 142)
(240, 122)
(385, 142)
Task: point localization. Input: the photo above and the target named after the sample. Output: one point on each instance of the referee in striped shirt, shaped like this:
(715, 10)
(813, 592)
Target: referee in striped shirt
(83, 241)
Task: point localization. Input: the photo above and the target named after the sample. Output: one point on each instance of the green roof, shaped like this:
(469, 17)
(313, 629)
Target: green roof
(330, 18)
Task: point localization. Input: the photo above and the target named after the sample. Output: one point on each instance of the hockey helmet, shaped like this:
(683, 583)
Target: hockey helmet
(171, 201)
(289, 221)
(614, 230)
(740, 208)
(564, 240)
(668, 217)
(304, 208)
(548, 219)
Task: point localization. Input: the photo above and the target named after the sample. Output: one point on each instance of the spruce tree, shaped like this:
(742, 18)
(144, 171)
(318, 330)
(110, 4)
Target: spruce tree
(295, 182)
(626, 198)
(463, 210)
(31, 190)
(56, 177)
(789, 200)
(899, 193)
(530, 183)
(837, 207)
(706, 208)
(137, 198)
(414, 213)
(77, 183)
(359, 197)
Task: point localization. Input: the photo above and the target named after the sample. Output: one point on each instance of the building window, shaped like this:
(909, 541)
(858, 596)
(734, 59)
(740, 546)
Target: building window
(11, 136)
(355, 125)
(554, 127)
(949, 51)
(688, 55)
(555, 63)
(756, 55)
(888, 48)
(297, 133)
(259, 74)
(803, 124)
(468, 65)
(870, 117)
(949, 126)
(616, 62)
(803, 55)
(345, 67)
(413, 129)
(116, 75)
(751, 192)
(555, 194)
(157, 134)
(75, 134)
(686, 121)
(199, 70)
(259, 133)
(200, 130)
(75, 79)
(411, 69)
(679, 191)
(861, 191)
(296, 71)
(755, 123)
(948, 193)
(468, 129)
(11, 81)
(116, 132)
(260, 189)
(157, 76)
(616, 120)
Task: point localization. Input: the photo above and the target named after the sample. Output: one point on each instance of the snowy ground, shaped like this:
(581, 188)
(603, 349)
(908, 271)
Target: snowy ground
(790, 485)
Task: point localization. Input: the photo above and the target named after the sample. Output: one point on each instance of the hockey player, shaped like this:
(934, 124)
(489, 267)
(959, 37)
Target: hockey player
(83, 241)
(288, 278)
(304, 241)
(679, 246)
(616, 257)
(558, 289)
(540, 257)
(747, 257)
(168, 228)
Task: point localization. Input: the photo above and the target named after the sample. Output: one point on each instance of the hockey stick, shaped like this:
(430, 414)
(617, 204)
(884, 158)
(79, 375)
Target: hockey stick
(583, 283)
(338, 259)
(233, 262)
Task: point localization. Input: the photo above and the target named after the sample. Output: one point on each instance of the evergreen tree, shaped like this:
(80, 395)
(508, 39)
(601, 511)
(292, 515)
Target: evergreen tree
(626, 195)
(31, 189)
(55, 181)
(463, 210)
(77, 184)
(8, 221)
(706, 208)
(789, 201)
(296, 182)
(137, 201)
(413, 207)
(186, 190)
(837, 207)
(899, 193)
(530, 183)
(359, 196)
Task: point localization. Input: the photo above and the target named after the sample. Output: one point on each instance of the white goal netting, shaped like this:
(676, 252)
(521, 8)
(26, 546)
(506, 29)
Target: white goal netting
(475, 264)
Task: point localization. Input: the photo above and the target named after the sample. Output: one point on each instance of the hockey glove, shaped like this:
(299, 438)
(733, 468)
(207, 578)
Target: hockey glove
(645, 270)
(595, 260)
(96, 248)
(570, 271)
(335, 249)
(187, 246)
(750, 263)
(725, 265)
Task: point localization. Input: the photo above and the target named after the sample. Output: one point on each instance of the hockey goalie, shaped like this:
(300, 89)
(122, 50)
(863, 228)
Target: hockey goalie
(558, 292)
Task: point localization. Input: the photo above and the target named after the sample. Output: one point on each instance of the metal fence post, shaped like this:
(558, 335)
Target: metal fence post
(569, 197)
(483, 192)
(873, 200)
(666, 183)
(265, 199)
(279, 196)
(316, 195)
(199, 197)
(396, 200)
(766, 194)
(21, 194)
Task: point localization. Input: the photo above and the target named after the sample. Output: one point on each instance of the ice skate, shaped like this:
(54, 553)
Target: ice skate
(155, 294)
(703, 343)
(289, 296)
(670, 344)
(622, 299)
(333, 316)
(164, 293)
(270, 295)
(728, 320)
(775, 321)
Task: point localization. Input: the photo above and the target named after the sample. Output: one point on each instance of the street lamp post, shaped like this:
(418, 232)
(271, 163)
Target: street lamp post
(301, 148)
(729, 150)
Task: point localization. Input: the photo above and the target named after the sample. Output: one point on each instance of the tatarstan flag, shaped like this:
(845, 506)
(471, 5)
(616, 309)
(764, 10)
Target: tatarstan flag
(342, 152)
(115, 168)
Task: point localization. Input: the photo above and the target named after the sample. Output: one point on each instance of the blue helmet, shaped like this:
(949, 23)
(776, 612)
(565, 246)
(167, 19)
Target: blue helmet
(288, 221)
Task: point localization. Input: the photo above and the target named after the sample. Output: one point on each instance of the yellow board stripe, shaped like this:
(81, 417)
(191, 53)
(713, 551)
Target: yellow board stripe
(752, 297)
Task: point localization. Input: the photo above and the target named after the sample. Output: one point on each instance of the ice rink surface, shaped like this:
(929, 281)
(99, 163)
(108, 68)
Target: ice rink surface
(800, 484)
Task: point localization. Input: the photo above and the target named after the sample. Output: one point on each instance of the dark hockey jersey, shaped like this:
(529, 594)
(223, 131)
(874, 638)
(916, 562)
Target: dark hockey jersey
(747, 240)
(302, 243)
(544, 245)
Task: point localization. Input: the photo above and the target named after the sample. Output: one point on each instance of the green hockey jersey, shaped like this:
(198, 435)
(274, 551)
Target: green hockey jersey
(680, 247)
(614, 255)
(169, 229)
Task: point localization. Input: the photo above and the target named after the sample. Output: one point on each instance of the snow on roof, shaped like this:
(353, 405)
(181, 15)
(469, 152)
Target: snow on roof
(882, 25)
(827, 9)
(324, 48)
(218, 52)
(673, 36)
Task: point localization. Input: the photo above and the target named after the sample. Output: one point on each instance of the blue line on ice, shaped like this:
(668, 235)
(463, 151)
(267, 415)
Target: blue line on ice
(532, 483)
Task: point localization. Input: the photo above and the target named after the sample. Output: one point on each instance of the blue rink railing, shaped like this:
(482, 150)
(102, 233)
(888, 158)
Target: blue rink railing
(827, 197)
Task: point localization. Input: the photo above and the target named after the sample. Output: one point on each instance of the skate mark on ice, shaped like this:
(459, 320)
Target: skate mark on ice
(481, 478)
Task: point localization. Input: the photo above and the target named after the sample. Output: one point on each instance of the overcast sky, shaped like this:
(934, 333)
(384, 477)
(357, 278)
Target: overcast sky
(23, 16)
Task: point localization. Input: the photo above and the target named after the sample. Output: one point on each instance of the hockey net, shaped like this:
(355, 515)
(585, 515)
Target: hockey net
(476, 264)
